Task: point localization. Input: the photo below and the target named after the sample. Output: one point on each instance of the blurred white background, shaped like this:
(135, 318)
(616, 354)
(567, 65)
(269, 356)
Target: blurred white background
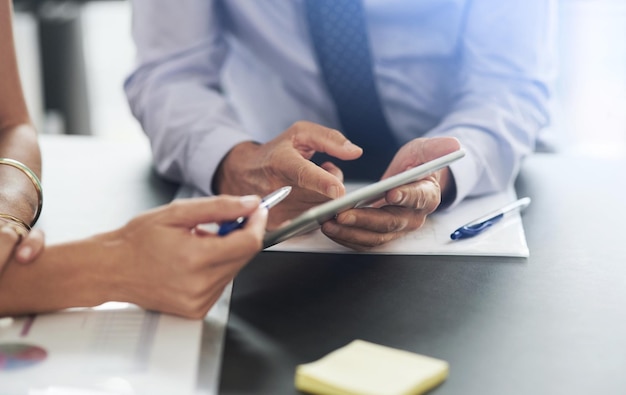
(590, 102)
(109, 57)
(591, 87)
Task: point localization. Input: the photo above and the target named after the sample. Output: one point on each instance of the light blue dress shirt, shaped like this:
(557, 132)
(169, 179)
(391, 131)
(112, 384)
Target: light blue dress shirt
(212, 74)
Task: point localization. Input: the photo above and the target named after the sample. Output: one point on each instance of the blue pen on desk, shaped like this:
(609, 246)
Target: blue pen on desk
(477, 226)
(267, 202)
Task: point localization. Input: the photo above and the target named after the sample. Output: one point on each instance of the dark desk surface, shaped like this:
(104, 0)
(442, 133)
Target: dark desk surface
(551, 324)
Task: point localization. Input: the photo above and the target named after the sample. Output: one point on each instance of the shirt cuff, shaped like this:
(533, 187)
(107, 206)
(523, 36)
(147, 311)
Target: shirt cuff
(209, 153)
(467, 171)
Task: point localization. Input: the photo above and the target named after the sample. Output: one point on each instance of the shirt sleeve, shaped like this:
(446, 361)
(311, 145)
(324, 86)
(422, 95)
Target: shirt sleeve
(501, 99)
(175, 90)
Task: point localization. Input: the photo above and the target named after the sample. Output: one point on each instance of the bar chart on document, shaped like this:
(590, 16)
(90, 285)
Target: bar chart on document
(119, 349)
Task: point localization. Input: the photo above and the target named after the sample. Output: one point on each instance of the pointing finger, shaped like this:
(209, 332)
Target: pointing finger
(308, 135)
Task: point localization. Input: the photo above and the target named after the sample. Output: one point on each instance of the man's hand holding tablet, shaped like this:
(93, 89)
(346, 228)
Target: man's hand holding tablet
(411, 188)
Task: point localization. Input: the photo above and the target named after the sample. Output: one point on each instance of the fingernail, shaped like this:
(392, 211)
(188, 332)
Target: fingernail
(351, 146)
(396, 197)
(333, 192)
(249, 201)
(24, 253)
(348, 219)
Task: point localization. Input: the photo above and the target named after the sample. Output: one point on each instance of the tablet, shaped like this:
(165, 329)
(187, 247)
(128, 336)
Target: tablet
(314, 217)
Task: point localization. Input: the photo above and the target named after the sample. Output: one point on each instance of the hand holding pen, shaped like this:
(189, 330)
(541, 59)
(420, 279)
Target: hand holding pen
(267, 202)
(477, 226)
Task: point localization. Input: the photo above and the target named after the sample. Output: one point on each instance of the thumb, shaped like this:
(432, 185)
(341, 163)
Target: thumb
(437, 147)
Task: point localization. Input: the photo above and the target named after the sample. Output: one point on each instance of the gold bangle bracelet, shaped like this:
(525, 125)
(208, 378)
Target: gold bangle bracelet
(20, 227)
(36, 183)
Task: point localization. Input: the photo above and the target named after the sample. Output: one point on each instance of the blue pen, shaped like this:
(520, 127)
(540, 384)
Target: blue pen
(477, 226)
(267, 202)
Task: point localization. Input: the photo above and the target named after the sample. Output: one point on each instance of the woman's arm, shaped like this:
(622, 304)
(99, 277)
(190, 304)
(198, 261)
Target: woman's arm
(18, 141)
(158, 261)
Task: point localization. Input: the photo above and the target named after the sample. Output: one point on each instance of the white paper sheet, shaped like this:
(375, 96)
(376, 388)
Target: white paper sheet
(505, 238)
(115, 349)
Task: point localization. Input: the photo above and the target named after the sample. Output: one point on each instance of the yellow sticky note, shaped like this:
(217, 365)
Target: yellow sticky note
(363, 368)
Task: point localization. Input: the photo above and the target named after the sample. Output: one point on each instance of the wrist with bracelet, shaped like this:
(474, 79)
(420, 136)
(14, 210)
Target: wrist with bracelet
(21, 227)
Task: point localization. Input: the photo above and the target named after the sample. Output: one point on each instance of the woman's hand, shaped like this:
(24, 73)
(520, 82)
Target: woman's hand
(163, 262)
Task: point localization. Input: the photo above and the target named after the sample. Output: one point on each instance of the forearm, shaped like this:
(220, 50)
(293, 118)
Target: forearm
(175, 92)
(190, 125)
(18, 139)
(497, 135)
(501, 100)
(75, 274)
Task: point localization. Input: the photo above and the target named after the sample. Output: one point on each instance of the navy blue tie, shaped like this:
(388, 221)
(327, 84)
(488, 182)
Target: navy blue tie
(339, 35)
